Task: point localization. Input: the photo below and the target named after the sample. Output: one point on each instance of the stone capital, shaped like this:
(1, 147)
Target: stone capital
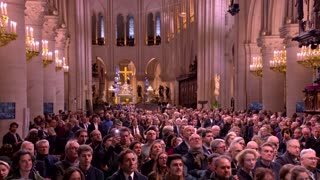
(49, 27)
(288, 31)
(270, 43)
(34, 12)
(61, 38)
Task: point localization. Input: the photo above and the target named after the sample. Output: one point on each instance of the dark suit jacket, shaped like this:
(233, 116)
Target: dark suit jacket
(286, 158)
(314, 144)
(141, 130)
(59, 169)
(275, 167)
(93, 174)
(9, 139)
(91, 128)
(181, 149)
(119, 175)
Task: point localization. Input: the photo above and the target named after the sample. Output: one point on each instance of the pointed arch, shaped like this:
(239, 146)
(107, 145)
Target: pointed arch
(130, 29)
(158, 28)
(120, 30)
(150, 28)
(101, 32)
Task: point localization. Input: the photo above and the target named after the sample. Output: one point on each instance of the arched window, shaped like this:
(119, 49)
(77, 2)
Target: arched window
(94, 29)
(101, 30)
(130, 30)
(150, 29)
(158, 28)
(120, 30)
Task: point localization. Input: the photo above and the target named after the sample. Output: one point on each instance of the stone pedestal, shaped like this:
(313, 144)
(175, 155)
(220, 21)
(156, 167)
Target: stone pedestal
(13, 71)
(273, 83)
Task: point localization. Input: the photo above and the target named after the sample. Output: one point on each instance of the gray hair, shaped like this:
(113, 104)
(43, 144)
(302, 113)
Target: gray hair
(305, 151)
(291, 141)
(214, 144)
(69, 144)
(42, 141)
(166, 129)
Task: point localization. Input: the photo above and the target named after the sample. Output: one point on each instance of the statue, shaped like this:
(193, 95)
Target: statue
(302, 24)
(139, 91)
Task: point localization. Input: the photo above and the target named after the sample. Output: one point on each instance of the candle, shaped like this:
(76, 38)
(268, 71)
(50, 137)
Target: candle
(5, 8)
(14, 27)
(31, 32)
(1, 6)
(37, 46)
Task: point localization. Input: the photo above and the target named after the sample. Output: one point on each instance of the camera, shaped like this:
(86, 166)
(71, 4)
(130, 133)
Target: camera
(234, 9)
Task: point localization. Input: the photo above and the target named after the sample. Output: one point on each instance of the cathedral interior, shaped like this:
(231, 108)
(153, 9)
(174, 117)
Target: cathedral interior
(76, 54)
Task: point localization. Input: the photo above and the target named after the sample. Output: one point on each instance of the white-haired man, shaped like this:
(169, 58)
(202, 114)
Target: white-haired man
(309, 160)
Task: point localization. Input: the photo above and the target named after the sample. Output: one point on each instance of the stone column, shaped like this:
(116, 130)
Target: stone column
(297, 76)
(210, 20)
(253, 83)
(34, 15)
(60, 46)
(13, 70)
(49, 33)
(273, 83)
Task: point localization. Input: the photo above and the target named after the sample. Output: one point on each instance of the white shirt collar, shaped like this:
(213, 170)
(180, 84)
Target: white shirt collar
(127, 175)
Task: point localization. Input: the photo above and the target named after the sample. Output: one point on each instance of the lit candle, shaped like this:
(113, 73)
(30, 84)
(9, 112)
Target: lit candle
(5, 8)
(1, 6)
(56, 54)
(50, 56)
(31, 32)
(37, 46)
(14, 27)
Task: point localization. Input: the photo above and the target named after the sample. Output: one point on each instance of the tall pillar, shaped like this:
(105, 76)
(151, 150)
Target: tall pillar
(13, 70)
(253, 83)
(49, 33)
(211, 23)
(297, 76)
(34, 15)
(60, 46)
(273, 83)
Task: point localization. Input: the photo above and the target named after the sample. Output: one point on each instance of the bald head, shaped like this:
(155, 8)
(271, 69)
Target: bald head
(252, 145)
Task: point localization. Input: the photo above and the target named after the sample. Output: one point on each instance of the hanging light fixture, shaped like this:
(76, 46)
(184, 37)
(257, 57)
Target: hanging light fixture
(256, 66)
(8, 30)
(32, 47)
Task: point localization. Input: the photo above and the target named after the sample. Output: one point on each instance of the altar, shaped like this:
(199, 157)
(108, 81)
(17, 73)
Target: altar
(125, 95)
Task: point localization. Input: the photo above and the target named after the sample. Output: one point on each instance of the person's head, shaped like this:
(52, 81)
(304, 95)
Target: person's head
(23, 160)
(222, 167)
(267, 152)
(187, 132)
(207, 136)
(128, 161)
(239, 140)
(13, 127)
(73, 173)
(316, 131)
(285, 172)
(252, 145)
(299, 173)
(161, 161)
(234, 149)
(136, 147)
(247, 159)
(71, 149)
(96, 136)
(293, 147)
(273, 140)
(4, 169)
(211, 159)
(175, 165)
(218, 146)
(155, 148)
(151, 134)
(297, 133)
(229, 138)
(195, 142)
(85, 155)
(43, 147)
(286, 133)
(215, 130)
(308, 159)
(27, 145)
(81, 136)
(306, 133)
(264, 174)
(125, 136)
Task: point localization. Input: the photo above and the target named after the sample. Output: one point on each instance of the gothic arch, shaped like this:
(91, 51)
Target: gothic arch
(254, 21)
(276, 16)
(151, 67)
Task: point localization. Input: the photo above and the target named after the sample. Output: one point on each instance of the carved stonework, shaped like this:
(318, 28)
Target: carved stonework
(34, 12)
(49, 27)
(269, 43)
(61, 38)
(289, 31)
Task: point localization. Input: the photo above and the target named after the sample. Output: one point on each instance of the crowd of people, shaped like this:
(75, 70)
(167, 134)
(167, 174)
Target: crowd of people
(128, 143)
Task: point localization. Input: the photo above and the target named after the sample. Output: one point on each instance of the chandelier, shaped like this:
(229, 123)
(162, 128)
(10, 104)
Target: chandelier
(32, 47)
(46, 54)
(256, 66)
(8, 31)
(279, 62)
(309, 57)
(65, 66)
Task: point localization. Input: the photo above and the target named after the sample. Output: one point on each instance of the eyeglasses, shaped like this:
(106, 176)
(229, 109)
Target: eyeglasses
(163, 158)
